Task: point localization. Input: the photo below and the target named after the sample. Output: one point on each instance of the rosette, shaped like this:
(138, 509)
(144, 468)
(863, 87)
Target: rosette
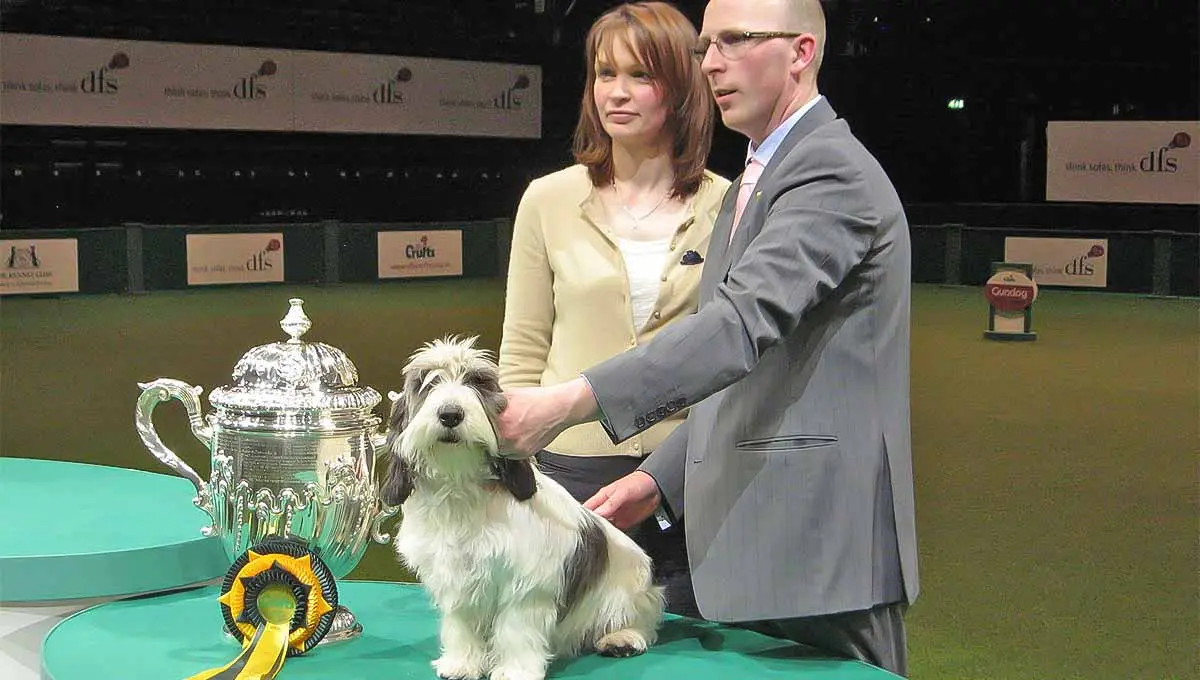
(278, 599)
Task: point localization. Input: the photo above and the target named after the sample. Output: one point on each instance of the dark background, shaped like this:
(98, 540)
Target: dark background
(890, 69)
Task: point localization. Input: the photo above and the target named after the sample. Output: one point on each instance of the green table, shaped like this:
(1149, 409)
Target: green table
(176, 635)
(77, 531)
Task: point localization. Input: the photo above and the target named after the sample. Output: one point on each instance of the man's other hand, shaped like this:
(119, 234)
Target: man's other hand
(628, 501)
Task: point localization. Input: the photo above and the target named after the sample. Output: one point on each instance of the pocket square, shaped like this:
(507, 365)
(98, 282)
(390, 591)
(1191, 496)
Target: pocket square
(691, 257)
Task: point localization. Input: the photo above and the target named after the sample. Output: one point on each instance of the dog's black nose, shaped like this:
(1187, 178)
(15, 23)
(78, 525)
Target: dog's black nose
(450, 415)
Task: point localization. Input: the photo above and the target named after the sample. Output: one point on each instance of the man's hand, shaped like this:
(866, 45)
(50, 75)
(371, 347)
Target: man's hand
(628, 501)
(534, 416)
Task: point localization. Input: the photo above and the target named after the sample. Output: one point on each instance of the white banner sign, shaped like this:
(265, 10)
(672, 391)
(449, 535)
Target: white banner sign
(51, 80)
(388, 95)
(408, 254)
(81, 81)
(1081, 262)
(234, 258)
(1123, 161)
(39, 266)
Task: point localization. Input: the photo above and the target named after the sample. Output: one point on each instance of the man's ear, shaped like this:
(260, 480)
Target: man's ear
(516, 475)
(805, 49)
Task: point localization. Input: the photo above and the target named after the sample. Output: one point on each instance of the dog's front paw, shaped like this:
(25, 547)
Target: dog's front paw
(622, 643)
(458, 668)
(515, 672)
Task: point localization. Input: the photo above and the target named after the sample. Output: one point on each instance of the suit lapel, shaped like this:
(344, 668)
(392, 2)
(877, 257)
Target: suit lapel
(820, 114)
(718, 244)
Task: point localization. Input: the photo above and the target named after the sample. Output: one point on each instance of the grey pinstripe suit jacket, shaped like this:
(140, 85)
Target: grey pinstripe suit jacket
(794, 467)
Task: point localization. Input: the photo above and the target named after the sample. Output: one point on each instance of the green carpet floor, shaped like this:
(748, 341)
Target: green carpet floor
(1056, 480)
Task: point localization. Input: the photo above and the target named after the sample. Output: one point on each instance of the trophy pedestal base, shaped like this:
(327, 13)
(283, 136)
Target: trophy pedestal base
(345, 627)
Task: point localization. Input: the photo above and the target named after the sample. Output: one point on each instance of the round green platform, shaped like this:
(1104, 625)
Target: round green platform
(77, 531)
(177, 635)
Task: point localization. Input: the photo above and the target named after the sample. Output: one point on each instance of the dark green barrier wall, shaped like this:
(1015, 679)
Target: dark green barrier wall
(1185, 274)
(1131, 257)
(154, 257)
(929, 254)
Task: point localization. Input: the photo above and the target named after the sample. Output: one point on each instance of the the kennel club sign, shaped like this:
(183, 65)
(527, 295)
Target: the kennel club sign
(39, 266)
(1080, 262)
(52, 80)
(1123, 161)
(410, 254)
(234, 258)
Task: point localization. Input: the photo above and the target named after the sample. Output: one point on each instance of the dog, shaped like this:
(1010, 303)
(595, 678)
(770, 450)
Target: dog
(519, 570)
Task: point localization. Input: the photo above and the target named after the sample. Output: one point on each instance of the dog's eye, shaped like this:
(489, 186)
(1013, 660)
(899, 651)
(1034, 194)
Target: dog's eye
(482, 382)
(430, 381)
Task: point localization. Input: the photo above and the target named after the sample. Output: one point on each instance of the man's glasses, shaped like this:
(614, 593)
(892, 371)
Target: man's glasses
(735, 44)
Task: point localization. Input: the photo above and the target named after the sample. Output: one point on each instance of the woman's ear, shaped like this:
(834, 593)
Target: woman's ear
(516, 475)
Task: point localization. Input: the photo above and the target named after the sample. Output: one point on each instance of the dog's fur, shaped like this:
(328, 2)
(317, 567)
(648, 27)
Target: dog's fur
(519, 570)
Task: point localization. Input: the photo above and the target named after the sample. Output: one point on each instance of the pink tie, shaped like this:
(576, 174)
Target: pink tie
(749, 179)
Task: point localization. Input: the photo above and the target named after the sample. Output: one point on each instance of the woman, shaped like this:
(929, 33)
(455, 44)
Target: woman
(607, 252)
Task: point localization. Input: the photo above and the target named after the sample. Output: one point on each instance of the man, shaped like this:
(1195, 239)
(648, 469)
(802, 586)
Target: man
(794, 466)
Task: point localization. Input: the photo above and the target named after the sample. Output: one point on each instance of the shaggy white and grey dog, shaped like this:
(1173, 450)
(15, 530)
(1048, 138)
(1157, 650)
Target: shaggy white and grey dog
(520, 571)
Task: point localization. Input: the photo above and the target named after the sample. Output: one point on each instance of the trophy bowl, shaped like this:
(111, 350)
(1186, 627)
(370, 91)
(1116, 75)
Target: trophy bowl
(293, 442)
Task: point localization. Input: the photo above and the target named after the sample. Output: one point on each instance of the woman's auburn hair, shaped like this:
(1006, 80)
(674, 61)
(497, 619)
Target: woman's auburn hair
(662, 39)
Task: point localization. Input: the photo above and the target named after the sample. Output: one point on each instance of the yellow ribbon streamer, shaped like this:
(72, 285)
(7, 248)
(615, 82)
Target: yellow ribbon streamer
(261, 659)
(266, 647)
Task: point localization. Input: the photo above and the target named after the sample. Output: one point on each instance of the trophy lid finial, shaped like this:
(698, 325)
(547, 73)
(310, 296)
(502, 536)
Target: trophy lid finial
(294, 375)
(296, 323)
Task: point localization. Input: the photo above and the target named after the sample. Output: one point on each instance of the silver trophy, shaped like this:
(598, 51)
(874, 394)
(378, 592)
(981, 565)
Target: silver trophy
(293, 443)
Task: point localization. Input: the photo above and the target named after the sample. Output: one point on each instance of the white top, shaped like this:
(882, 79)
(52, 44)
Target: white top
(644, 263)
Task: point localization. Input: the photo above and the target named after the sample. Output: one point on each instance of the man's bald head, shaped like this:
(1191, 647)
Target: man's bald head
(774, 53)
(803, 16)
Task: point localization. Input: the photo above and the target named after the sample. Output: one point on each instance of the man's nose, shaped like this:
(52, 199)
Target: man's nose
(712, 60)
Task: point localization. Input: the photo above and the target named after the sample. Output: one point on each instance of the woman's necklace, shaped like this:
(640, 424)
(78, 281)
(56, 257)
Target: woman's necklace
(637, 221)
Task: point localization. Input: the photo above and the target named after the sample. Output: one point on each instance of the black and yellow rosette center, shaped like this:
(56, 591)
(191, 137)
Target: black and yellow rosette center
(279, 599)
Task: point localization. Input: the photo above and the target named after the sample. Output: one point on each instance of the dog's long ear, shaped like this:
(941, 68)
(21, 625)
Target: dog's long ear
(397, 419)
(516, 476)
(397, 484)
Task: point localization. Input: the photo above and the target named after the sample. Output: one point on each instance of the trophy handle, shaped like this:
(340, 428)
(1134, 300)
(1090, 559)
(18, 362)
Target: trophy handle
(385, 511)
(164, 389)
(379, 443)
